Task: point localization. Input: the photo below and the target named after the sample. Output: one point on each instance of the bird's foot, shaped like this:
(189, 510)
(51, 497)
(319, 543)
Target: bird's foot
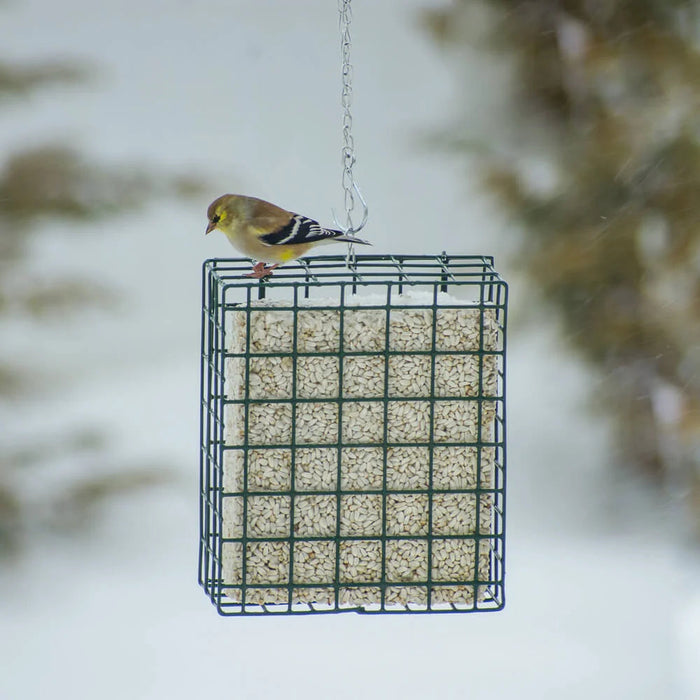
(260, 271)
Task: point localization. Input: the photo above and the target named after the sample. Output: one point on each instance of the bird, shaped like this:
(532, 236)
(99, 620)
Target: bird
(267, 233)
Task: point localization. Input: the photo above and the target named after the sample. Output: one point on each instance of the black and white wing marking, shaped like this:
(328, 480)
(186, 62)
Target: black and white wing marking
(300, 229)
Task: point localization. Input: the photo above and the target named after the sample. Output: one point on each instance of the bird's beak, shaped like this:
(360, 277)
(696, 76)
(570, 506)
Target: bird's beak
(210, 227)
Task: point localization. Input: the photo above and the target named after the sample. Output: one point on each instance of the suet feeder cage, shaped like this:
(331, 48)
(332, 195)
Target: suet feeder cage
(353, 436)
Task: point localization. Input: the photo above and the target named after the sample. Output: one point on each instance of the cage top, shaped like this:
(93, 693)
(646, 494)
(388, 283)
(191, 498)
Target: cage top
(362, 269)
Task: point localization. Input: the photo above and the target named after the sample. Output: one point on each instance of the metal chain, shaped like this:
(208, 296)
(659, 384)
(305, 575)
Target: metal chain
(350, 187)
(348, 150)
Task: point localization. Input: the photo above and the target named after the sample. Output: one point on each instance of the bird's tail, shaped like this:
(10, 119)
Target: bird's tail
(348, 238)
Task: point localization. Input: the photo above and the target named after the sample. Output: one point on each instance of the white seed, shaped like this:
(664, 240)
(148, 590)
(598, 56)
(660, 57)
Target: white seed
(405, 380)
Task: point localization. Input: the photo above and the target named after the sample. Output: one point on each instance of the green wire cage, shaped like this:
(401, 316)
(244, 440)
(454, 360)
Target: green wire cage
(353, 436)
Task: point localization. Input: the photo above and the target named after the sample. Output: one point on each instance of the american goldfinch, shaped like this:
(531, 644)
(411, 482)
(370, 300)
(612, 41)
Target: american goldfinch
(268, 233)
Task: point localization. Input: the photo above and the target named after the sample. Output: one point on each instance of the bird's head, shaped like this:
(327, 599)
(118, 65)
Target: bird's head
(222, 210)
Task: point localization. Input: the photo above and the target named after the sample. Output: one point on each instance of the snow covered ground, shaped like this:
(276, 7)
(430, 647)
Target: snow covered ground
(603, 598)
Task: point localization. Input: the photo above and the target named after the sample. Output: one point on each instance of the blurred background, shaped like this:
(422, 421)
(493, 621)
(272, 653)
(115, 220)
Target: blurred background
(560, 136)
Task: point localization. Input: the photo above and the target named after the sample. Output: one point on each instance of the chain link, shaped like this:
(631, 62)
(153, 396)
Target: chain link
(348, 151)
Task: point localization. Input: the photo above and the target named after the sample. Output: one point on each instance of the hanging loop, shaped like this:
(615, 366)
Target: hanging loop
(349, 227)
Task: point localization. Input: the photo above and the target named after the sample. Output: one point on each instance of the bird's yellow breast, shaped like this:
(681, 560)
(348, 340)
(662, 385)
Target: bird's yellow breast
(287, 255)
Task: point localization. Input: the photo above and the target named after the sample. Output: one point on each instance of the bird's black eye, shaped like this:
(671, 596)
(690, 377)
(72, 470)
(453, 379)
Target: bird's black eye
(215, 219)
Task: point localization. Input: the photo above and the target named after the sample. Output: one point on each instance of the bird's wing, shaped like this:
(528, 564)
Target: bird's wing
(264, 217)
(298, 230)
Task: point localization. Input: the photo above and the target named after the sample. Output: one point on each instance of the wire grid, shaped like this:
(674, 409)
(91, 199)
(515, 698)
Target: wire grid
(226, 295)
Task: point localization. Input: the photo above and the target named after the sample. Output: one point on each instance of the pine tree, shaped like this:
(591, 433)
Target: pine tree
(606, 96)
(56, 182)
